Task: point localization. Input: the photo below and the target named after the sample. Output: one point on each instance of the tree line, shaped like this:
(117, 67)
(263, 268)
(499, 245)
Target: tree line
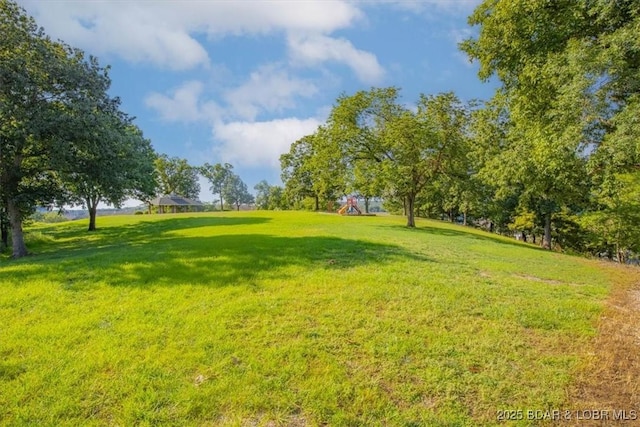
(176, 176)
(554, 154)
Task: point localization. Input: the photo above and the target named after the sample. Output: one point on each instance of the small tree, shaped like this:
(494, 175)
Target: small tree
(235, 192)
(297, 172)
(263, 190)
(176, 176)
(277, 199)
(109, 161)
(218, 175)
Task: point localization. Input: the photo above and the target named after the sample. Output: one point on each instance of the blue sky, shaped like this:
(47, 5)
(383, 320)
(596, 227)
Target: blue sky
(239, 81)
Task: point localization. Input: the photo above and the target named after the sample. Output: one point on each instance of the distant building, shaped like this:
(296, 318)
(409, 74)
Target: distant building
(175, 203)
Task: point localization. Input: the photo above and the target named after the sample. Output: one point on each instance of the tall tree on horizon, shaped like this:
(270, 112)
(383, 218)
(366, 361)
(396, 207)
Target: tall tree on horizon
(176, 176)
(218, 175)
(235, 192)
(297, 171)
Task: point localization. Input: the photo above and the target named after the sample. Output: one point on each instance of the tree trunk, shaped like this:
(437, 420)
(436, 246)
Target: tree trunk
(533, 238)
(317, 203)
(92, 218)
(619, 254)
(464, 218)
(546, 240)
(221, 205)
(92, 204)
(4, 230)
(17, 237)
(524, 237)
(366, 205)
(411, 222)
(238, 207)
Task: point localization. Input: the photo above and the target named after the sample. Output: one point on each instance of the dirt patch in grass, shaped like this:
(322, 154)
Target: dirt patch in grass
(547, 281)
(609, 380)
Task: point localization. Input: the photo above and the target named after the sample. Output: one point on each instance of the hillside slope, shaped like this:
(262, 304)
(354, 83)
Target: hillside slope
(290, 318)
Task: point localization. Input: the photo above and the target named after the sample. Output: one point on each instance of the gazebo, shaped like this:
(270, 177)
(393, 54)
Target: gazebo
(172, 201)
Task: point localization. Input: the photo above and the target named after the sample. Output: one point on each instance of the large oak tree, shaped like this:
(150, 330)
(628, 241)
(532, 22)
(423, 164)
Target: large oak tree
(47, 89)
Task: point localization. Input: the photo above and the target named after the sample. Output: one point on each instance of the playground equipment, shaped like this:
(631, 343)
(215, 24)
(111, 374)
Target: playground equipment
(351, 208)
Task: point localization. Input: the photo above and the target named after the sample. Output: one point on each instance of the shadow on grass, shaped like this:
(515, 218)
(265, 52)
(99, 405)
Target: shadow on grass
(472, 233)
(150, 254)
(74, 237)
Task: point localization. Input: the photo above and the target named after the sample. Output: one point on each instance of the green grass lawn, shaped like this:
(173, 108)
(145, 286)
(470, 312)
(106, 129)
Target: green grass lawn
(287, 318)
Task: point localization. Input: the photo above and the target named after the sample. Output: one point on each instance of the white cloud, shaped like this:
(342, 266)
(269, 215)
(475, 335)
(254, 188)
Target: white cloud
(183, 105)
(260, 143)
(135, 31)
(271, 89)
(165, 33)
(162, 32)
(259, 16)
(315, 49)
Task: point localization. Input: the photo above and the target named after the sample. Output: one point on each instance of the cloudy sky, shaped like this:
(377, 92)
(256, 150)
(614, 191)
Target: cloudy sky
(238, 81)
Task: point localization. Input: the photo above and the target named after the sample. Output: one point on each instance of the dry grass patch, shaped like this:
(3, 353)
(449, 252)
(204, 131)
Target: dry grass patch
(609, 379)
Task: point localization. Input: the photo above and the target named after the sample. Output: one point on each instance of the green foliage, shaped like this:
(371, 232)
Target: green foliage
(269, 197)
(615, 226)
(110, 162)
(262, 194)
(218, 175)
(177, 176)
(48, 92)
(395, 151)
(570, 75)
(235, 192)
(297, 171)
(277, 198)
(289, 318)
(367, 181)
(525, 221)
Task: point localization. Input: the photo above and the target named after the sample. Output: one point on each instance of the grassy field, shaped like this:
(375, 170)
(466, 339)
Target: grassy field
(288, 318)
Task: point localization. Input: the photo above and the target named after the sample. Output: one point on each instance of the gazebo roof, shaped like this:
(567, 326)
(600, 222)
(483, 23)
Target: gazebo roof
(174, 200)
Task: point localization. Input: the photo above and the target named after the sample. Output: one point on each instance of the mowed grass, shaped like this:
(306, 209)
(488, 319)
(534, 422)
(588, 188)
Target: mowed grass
(288, 318)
